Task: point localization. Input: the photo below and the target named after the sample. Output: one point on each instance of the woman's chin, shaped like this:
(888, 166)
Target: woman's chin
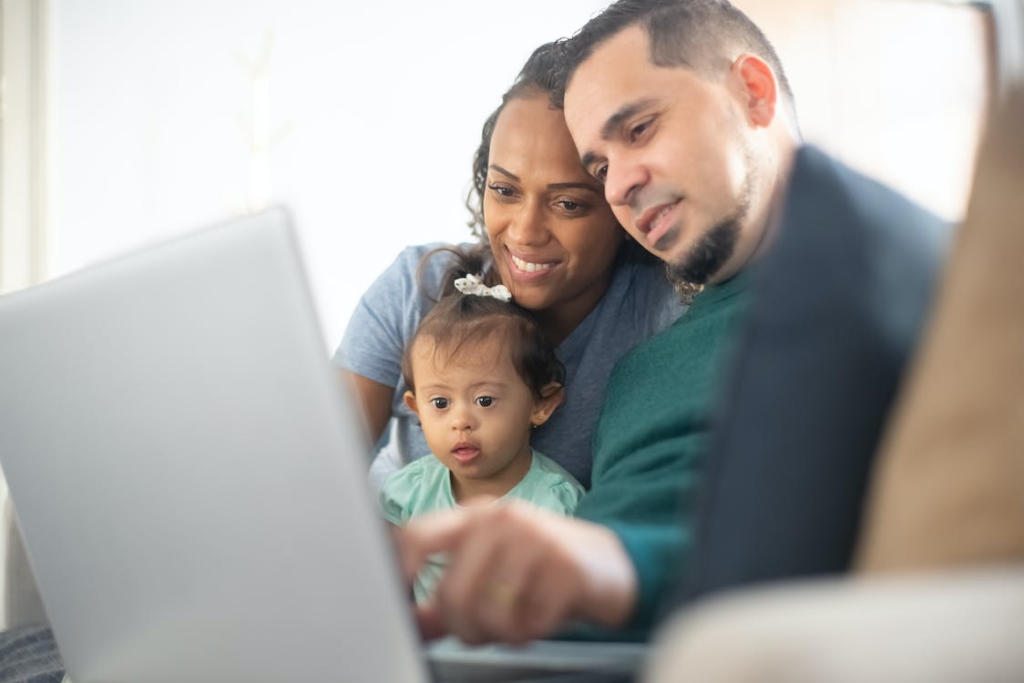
(532, 299)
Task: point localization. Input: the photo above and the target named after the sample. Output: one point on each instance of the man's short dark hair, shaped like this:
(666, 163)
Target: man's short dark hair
(696, 34)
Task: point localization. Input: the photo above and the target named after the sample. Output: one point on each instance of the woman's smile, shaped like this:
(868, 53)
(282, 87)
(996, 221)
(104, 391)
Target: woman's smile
(530, 265)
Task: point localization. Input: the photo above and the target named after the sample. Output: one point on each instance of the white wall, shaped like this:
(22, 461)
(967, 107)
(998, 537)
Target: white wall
(895, 88)
(378, 105)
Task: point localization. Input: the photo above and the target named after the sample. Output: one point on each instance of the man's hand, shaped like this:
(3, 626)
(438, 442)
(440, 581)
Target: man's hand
(516, 573)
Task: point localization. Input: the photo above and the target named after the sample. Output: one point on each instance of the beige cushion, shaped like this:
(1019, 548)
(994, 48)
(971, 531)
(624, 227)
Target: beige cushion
(939, 627)
(949, 486)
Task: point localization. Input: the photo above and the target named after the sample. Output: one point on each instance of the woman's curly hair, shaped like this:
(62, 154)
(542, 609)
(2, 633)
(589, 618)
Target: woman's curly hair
(538, 76)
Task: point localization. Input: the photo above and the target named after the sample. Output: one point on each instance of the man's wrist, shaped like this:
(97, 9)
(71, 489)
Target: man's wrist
(610, 594)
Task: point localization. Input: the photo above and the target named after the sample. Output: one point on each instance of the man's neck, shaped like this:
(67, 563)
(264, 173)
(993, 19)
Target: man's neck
(764, 223)
(786, 151)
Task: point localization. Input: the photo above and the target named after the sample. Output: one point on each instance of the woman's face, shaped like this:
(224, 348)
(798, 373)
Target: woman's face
(553, 235)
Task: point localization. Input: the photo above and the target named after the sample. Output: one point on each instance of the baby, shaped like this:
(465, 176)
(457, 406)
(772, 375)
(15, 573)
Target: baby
(481, 376)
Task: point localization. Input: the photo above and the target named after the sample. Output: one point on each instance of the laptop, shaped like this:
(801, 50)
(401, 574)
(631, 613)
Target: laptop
(189, 475)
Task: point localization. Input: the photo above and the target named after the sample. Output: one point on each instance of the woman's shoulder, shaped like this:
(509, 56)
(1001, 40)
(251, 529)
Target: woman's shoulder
(412, 272)
(411, 256)
(642, 271)
(415, 266)
(414, 253)
(639, 302)
(644, 290)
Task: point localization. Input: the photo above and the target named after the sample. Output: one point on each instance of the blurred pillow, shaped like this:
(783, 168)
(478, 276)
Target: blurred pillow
(840, 301)
(949, 488)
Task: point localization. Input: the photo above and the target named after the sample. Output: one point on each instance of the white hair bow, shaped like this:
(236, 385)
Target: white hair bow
(474, 284)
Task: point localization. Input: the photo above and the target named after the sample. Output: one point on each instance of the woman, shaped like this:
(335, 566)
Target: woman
(553, 241)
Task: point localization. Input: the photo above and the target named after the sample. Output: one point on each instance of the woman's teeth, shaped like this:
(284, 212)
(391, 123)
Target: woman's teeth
(530, 267)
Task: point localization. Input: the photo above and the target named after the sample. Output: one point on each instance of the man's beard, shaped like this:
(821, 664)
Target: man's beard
(707, 257)
(716, 246)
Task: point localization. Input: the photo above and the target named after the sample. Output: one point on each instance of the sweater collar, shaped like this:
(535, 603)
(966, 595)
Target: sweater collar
(714, 294)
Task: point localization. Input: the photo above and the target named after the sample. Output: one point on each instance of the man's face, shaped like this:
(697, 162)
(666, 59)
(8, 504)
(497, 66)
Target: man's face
(673, 151)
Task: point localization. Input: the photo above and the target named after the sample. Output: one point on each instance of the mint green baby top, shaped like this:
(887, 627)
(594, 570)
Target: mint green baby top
(425, 485)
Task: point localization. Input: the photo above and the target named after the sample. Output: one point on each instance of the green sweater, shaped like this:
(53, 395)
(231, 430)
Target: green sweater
(650, 440)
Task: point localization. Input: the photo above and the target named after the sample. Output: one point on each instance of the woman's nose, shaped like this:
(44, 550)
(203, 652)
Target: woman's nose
(528, 226)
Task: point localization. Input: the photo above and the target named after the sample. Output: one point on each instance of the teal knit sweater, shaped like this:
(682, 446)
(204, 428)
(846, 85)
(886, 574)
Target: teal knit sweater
(650, 440)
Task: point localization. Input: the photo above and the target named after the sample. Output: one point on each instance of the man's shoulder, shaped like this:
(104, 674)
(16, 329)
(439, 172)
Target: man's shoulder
(695, 331)
(864, 238)
(824, 188)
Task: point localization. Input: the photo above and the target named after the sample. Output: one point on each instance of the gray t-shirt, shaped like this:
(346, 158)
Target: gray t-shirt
(638, 303)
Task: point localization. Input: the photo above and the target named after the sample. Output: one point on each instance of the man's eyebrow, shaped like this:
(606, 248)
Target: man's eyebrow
(506, 172)
(588, 159)
(615, 121)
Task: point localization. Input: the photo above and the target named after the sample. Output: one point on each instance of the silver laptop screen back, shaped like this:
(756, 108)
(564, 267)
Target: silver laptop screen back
(190, 477)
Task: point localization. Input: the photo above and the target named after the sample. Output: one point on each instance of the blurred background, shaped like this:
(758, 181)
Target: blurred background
(125, 122)
(128, 121)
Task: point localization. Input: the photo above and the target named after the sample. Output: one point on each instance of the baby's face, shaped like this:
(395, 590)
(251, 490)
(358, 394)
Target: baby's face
(476, 413)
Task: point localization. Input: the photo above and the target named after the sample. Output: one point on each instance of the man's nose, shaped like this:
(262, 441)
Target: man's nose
(622, 181)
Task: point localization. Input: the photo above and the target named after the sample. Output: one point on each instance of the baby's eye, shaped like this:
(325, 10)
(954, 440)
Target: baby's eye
(439, 403)
(485, 401)
(600, 173)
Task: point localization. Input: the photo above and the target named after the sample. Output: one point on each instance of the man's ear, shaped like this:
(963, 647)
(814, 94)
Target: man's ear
(759, 88)
(551, 398)
(410, 401)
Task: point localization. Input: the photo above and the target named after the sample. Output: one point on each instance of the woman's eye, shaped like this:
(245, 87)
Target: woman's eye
(485, 401)
(501, 190)
(570, 206)
(439, 403)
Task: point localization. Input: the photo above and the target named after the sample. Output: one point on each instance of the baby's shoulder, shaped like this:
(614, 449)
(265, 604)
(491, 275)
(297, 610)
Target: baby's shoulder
(418, 472)
(420, 486)
(553, 486)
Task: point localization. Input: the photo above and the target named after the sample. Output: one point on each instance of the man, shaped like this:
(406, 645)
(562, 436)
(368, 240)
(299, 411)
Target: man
(681, 109)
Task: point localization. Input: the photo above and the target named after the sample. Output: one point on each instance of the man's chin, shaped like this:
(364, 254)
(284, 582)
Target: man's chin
(699, 272)
(703, 260)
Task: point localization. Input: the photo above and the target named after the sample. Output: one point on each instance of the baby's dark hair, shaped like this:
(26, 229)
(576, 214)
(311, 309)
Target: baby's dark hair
(459, 322)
